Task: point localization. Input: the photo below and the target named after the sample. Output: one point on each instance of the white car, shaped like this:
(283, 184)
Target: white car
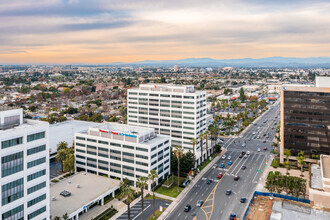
(259, 150)
(254, 133)
(223, 157)
(229, 157)
(248, 152)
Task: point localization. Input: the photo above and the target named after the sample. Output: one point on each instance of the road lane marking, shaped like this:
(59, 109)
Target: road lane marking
(212, 199)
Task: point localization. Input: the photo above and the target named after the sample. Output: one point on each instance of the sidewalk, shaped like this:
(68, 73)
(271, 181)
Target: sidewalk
(124, 209)
(97, 210)
(189, 187)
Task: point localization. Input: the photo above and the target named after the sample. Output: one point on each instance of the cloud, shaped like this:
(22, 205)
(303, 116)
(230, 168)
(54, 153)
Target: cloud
(130, 30)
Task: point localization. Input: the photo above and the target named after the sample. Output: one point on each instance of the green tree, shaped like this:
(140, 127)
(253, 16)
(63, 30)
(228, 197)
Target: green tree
(301, 161)
(142, 183)
(201, 138)
(194, 143)
(127, 192)
(153, 176)
(206, 136)
(178, 152)
(287, 154)
(69, 161)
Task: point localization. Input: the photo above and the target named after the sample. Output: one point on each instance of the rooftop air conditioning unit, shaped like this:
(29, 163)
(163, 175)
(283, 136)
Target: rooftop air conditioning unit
(53, 199)
(78, 186)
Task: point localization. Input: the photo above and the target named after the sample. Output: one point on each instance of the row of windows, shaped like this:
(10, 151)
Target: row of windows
(36, 162)
(36, 213)
(11, 164)
(37, 136)
(12, 191)
(36, 149)
(15, 213)
(36, 175)
(11, 143)
(36, 200)
(36, 187)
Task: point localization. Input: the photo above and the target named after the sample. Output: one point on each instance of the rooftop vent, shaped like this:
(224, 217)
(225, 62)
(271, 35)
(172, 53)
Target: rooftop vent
(53, 199)
(78, 186)
(65, 193)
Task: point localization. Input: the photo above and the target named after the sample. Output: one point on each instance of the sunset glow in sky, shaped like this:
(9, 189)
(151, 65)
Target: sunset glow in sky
(104, 31)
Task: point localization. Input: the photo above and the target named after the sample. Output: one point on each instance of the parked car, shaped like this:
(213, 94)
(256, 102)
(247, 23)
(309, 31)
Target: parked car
(187, 208)
(199, 203)
(228, 192)
(220, 175)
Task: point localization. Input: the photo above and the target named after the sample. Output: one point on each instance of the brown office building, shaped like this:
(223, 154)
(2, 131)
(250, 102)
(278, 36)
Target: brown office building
(305, 120)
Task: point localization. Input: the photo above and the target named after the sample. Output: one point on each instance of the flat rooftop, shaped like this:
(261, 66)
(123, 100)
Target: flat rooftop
(325, 160)
(306, 89)
(316, 177)
(168, 88)
(91, 186)
(27, 123)
(64, 131)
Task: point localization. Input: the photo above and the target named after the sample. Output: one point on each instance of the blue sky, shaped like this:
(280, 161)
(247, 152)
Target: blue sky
(102, 31)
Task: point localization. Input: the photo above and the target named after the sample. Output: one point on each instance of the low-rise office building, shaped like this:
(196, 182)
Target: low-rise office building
(122, 151)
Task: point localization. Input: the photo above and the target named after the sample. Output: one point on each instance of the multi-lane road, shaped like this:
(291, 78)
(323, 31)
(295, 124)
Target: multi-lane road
(218, 205)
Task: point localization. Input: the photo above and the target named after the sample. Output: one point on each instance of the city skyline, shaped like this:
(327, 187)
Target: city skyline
(76, 31)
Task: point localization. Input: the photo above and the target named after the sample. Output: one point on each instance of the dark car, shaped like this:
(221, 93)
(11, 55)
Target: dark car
(236, 178)
(209, 181)
(243, 200)
(243, 152)
(232, 216)
(187, 208)
(243, 167)
(264, 141)
(240, 156)
(228, 192)
(265, 148)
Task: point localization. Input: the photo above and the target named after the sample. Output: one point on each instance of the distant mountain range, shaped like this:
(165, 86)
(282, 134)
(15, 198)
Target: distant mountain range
(245, 62)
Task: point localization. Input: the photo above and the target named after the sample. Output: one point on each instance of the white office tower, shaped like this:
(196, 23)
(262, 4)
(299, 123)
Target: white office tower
(122, 151)
(24, 166)
(175, 110)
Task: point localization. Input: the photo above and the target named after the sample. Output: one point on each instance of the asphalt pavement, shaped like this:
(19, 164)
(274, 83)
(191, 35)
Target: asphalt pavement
(218, 205)
(148, 210)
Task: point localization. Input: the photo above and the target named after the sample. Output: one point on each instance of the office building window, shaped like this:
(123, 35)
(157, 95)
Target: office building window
(15, 213)
(36, 175)
(36, 162)
(36, 187)
(37, 136)
(11, 164)
(36, 213)
(11, 143)
(36, 200)
(12, 191)
(36, 150)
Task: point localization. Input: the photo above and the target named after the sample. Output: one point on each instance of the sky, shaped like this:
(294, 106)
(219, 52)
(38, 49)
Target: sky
(105, 31)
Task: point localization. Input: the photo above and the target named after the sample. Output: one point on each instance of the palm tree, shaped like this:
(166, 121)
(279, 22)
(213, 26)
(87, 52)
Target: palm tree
(178, 152)
(194, 143)
(142, 183)
(287, 153)
(201, 137)
(128, 192)
(301, 161)
(61, 156)
(206, 136)
(151, 177)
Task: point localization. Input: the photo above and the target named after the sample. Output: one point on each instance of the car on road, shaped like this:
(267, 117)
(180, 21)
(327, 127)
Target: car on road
(230, 162)
(245, 156)
(229, 158)
(264, 141)
(199, 203)
(222, 165)
(258, 149)
(243, 152)
(232, 216)
(228, 192)
(209, 181)
(240, 156)
(243, 199)
(222, 140)
(248, 152)
(220, 175)
(254, 133)
(236, 177)
(187, 208)
(265, 148)
(223, 157)
(243, 167)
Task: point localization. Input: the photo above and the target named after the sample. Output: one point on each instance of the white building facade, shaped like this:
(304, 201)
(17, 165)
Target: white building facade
(122, 151)
(177, 111)
(24, 166)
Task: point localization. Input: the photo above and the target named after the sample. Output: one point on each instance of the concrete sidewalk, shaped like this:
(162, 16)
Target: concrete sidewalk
(189, 187)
